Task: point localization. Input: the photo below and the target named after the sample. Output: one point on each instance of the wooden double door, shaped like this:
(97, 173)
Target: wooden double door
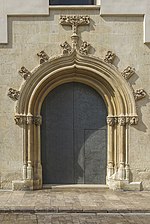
(74, 136)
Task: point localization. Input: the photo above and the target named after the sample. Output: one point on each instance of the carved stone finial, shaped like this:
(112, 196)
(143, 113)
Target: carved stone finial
(25, 73)
(66, 48)
(74, 21)
(128, 72)
(43, 57)
(13, 94)
(110, 56)
(84, 48)
(139, 94)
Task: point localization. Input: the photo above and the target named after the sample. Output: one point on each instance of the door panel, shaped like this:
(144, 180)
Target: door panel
(73, 136)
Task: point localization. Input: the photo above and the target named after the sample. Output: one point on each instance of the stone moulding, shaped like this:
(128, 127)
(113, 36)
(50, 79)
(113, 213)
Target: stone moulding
(13, 94)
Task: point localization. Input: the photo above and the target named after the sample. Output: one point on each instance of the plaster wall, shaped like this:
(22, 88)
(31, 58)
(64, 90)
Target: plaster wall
(29, 35)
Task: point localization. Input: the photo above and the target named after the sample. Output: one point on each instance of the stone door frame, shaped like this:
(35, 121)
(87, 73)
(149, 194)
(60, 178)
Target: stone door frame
(107, 81)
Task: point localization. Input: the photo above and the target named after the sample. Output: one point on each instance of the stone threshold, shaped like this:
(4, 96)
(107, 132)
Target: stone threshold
(73, 211)
(76, 187)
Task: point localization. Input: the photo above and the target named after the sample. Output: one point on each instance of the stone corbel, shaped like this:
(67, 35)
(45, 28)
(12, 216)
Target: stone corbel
(13, 94)
(110, 56)
(25, 73)
(43, 57)
(139, 94)
(128, 72)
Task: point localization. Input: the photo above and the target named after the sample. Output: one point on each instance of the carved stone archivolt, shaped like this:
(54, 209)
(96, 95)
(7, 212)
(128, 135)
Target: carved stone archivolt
(25, 73)
(43, 57)
(13, 94)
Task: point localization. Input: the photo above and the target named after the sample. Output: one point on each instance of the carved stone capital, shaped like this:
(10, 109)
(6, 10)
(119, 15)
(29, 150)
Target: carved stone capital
(43, 57)
(122, 120)
(110, 56)
(84, 48)
(30, 119)
(66, 48)
(37, 120)
(133, 120)
(139, 94)
(111, 120)
(128, 72)
(20, 119)
(13, 94)
(25, 73)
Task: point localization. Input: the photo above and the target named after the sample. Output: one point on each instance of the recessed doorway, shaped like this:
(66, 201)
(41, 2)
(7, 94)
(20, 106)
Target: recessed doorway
(74, 136)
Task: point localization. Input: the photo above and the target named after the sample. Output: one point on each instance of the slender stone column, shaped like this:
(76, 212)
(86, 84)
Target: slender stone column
(122, 123)
(37, 153)
(110, 142)
(30, 147)
(25, 140)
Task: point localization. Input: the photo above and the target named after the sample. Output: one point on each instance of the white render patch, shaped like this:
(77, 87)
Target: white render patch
(129, 8)
(19, 7)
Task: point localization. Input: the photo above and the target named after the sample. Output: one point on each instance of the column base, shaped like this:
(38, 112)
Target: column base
(124, 185)
(26, 185)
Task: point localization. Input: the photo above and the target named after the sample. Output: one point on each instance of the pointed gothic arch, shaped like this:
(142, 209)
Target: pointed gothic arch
(101, 76)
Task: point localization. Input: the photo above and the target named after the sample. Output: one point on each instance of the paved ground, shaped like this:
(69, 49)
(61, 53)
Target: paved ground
(74, 207)
(100, 218)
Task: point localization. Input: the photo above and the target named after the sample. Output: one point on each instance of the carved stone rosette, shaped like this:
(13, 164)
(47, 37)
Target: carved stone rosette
(25, 73)
(128, 72)
(43, 57)
(66, 48)
(22, 119)
(110, 56)
(13, 94)
(84, 48)
(139, 94)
